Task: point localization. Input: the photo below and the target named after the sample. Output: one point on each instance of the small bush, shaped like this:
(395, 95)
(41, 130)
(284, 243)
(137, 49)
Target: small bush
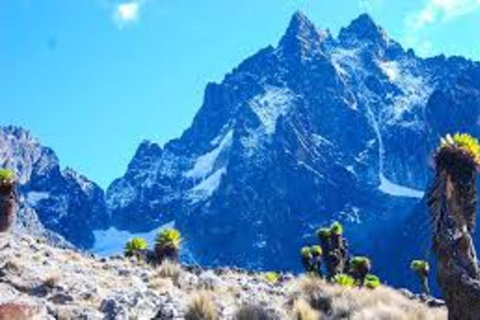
(201, 307)
(134, 246)
(344, 280)
(372, 281)
(272, 277)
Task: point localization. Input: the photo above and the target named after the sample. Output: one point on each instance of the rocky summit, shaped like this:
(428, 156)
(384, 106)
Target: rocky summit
(40, 282)
(318, 128)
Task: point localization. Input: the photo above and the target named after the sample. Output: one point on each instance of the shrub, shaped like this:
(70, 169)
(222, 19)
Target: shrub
(372, 281)
(344, 280)
(201, 307)
(135, 246)
(272, 277)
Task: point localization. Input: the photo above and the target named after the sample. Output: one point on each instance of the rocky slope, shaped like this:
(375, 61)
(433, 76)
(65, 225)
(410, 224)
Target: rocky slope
(315, 129)
(42, 282)
(53, 201)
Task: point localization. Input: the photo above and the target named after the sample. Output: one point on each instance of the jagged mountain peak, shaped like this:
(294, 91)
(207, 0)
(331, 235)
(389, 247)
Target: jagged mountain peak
(302, 36)
(364, 29)
(17, 132)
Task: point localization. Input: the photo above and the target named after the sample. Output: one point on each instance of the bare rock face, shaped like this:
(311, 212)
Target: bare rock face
(452, 203)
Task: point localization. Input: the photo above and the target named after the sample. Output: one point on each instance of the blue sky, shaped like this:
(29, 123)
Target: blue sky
(93, 78)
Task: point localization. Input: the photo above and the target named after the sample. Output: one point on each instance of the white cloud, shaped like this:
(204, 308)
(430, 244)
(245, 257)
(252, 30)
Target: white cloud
(370, 5)
(434, 12)
(440, 11)
(127, 12)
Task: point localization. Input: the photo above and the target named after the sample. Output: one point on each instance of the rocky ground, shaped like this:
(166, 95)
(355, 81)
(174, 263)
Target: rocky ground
(38, 281)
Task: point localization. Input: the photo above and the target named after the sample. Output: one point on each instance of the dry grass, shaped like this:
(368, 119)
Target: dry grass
(382, 303)
(201, 307)
(169, 270)
(51, 280)
(303, 311)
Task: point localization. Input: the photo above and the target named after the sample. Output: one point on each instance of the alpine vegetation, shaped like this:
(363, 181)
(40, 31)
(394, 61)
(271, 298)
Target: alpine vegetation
(340, 267)
(422, 270)
(136, 247)
(8, 199)
(452, 201)
(167, 244)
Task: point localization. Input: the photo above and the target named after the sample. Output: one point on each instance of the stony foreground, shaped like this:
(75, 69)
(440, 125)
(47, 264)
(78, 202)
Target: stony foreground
(41, 282)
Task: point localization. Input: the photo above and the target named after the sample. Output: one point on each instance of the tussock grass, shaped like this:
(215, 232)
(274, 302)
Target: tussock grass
(201, 307)
(303, 311)
(169, 269)
(383, 303)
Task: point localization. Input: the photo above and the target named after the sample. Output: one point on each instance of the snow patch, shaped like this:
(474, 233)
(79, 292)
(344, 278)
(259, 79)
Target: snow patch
(207, 187)
(270, 105)
(388, 187)
(345, 60)
(390, 69)
(112, 241)
(33, 197)
(204, 164)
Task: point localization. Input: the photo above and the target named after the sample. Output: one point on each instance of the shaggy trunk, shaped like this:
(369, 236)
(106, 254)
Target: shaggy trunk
(163, 253)
(452, 203)
(336, 257)
(7, 206)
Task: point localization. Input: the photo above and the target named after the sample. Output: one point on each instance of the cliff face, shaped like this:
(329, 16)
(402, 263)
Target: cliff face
(52, 201)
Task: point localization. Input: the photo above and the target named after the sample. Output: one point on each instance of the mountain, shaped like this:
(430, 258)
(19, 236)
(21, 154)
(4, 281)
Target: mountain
(54, 203)
(315, 129)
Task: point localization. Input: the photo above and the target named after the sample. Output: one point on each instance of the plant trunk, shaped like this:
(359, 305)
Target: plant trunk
(425, 287)
(7, 207)
(452, 203)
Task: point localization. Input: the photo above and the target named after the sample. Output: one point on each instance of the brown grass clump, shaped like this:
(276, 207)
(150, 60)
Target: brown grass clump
(383, 303)
(169, 269)
(201, 307)
(303, 311)
(51, 281)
